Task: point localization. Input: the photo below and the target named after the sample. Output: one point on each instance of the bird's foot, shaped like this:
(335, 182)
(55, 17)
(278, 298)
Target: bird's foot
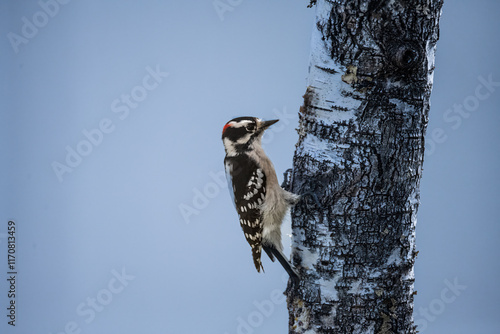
(287, 180)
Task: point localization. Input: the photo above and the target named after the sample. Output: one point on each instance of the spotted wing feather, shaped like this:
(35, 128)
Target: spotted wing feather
(249, 187)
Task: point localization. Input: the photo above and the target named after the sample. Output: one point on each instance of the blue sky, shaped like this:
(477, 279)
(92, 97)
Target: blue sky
(131, 98)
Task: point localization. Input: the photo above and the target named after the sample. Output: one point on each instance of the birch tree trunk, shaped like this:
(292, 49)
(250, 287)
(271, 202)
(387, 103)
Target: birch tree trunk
(359, 161)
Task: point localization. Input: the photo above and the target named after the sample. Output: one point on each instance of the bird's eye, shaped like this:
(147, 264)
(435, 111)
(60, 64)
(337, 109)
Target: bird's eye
(251, 127)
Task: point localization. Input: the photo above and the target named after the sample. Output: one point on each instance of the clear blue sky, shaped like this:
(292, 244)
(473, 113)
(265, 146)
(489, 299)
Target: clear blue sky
(111, 115)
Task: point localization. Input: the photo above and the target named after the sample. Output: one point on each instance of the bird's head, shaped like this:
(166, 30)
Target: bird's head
(240, 134)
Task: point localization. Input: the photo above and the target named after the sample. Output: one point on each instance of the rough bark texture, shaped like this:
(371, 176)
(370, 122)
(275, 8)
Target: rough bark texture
(359, 162)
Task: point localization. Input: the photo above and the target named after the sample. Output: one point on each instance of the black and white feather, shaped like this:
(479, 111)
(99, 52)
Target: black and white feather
(259, 200)
(249, 191)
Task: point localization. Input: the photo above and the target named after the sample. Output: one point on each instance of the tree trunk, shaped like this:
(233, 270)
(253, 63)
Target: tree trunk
(358, 163)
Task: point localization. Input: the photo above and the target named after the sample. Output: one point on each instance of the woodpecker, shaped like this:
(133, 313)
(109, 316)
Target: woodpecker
(253, 185)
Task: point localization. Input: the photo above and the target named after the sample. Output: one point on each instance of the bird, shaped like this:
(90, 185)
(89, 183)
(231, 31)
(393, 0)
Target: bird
(259, 200)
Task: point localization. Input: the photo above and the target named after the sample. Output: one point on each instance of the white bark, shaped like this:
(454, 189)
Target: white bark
(360, 152)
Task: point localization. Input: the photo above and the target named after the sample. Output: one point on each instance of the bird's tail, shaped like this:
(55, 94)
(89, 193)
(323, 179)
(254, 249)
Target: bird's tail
(256, 254)
(272, 252)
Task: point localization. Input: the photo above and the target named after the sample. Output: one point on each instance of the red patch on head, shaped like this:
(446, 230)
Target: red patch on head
(225, 127)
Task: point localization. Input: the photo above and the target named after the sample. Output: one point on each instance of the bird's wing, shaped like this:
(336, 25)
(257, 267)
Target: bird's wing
(248, 190)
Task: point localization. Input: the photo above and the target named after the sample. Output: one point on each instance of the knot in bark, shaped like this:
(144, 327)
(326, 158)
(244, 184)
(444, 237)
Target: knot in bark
(405, 55)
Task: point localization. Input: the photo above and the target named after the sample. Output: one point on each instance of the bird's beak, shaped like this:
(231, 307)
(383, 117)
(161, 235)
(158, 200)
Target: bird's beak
(265, 124)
